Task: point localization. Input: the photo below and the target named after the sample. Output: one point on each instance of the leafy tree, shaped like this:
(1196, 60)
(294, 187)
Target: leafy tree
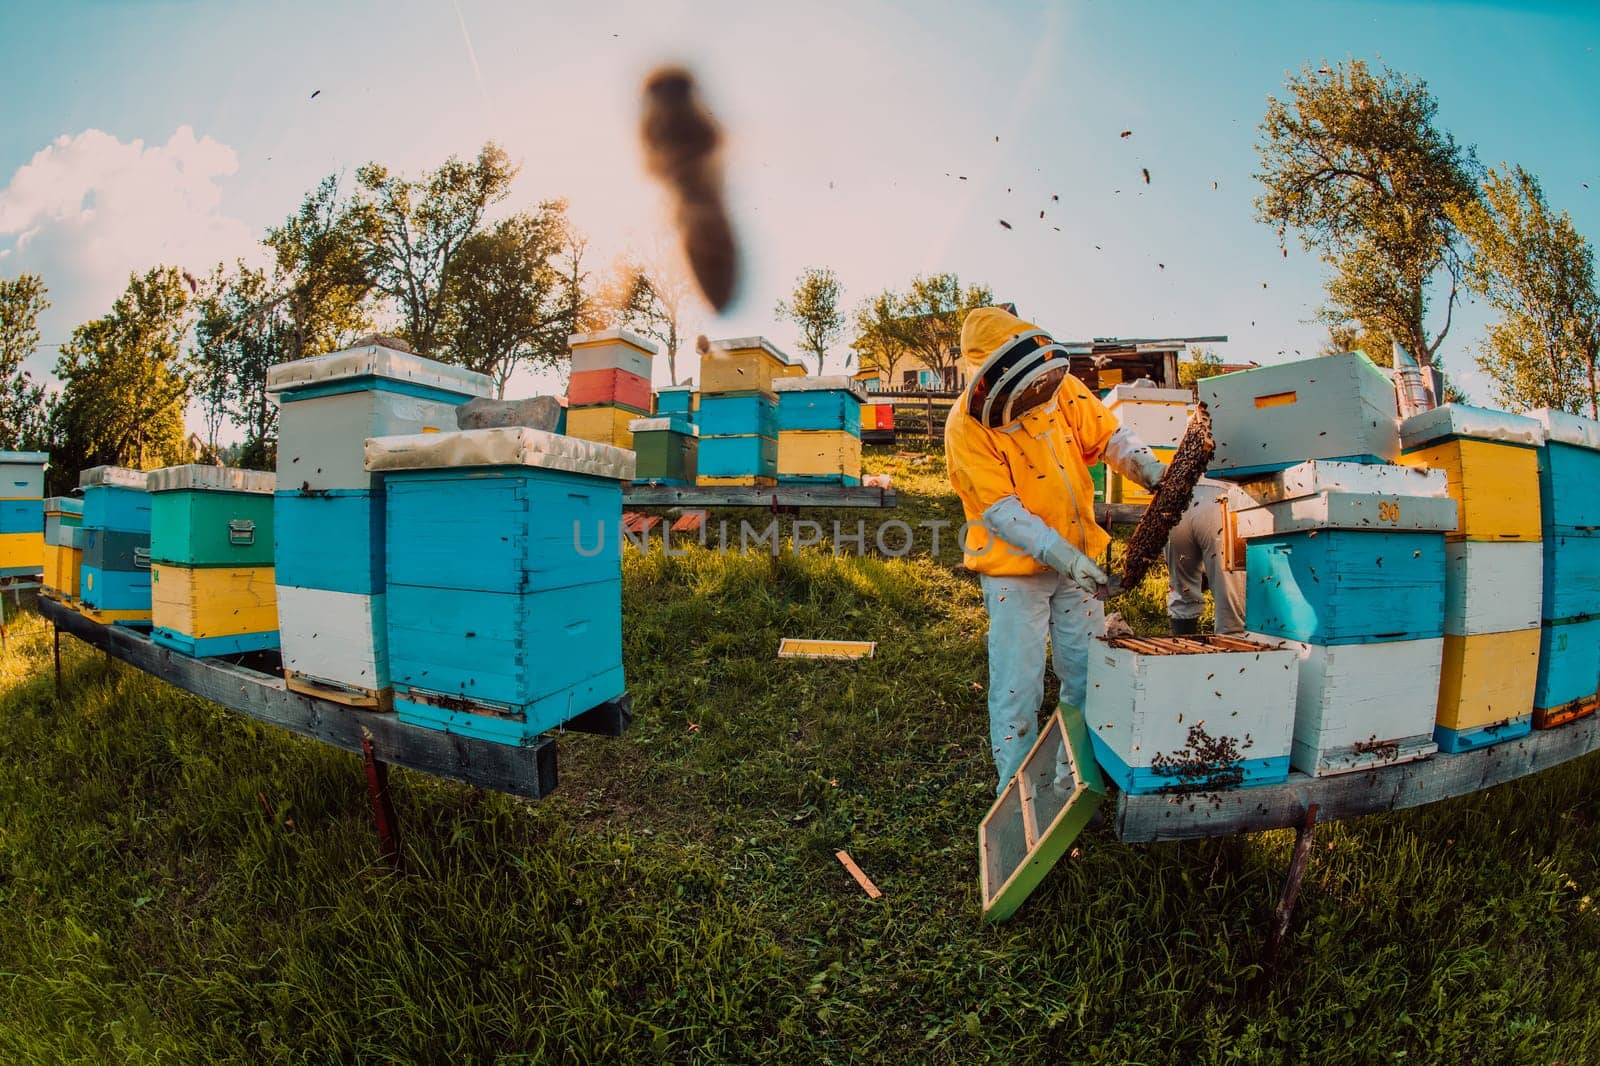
(878, 344)
(1349, 337)
(411, 231)
(652, 297)
(930, 316)
(240, 333)
(1537, 271)
(506, 299)
(124, 382)
(1203, 363)
(1352, 161)
(321, 277)
(22, 403)
(814, 307)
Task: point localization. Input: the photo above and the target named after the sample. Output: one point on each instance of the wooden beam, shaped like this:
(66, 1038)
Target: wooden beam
(756, 496)
(1386, 788)
(528, 770)
(1121, 514)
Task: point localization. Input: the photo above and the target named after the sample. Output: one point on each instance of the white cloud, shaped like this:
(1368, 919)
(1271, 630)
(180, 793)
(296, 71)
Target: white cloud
(89, 209)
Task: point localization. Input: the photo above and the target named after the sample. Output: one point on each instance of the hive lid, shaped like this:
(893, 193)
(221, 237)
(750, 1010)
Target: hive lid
(827, 383)
(1133, 392)
(748, 344)
(1564, 428)
(676, 388)
(1358, 511)
(114, 476)
(604, 336)
(208, 477)
(1325, 475)
(505, 446)
(1461, 420)
(374, 360)
(24, 457)
(664, 423)
(63, 505)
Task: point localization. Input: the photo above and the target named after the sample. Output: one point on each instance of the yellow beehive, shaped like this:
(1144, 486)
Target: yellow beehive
(22, 551)
(746, 480)
(744, 364)
(1491, 460)
(603, 424)
(1121, 490)
(213, 601)
(1487, 679)
(61, 565)
(819, 453)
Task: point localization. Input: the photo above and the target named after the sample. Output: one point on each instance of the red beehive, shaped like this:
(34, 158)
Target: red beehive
(620, 387)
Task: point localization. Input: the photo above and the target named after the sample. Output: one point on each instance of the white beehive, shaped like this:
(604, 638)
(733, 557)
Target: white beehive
(333, 639)
(1363, 705)
(1323, 475)
(1492, 587)
(1156, 416)
(612, 349)
(1190, 713)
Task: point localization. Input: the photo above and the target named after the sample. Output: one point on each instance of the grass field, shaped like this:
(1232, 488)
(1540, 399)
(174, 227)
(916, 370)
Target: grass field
(178, 885)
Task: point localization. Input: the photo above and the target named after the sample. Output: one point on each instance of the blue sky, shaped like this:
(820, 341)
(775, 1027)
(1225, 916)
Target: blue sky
(849, 125)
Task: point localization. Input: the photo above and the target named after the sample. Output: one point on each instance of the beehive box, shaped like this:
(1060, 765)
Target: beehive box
(676, 400)
(752, 414)
(1271, 417)
(1568, 681)
(737, 457)
(1156, 416)
(1491, 462)
(1363, 705)
(1336, 586)
(329, 540)
(817, 404)
(1097, 474)
(22, 474)
(819, 456)
(1569, 470)
(602, 425)
(211, 516)
(612, 349)
(329, 405)
(114, 580)
(742, 364)
(1190, 713)
(619, 388)
(61, 512)
(214, 610)
(1492, 587)
(1319, 476)
(1038, 814)
(333, 645)
(63, 553)
(504, 586)
(1122, 490)
(1486, 688)
(666, 450)
(1571, 576)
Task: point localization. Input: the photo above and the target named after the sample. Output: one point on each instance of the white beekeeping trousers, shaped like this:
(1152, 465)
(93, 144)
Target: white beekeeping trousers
(1195, 559)
(1023, 613)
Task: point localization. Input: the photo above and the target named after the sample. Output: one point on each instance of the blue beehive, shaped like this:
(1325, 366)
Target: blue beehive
(676, 400)
(1346, 586)
(504, 582)
(114, 583)
(734, 457)
(747, 414)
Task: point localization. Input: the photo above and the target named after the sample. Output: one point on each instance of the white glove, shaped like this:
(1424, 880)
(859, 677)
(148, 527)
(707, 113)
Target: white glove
(1068, 560)
(1147, 469)
(1132, 458)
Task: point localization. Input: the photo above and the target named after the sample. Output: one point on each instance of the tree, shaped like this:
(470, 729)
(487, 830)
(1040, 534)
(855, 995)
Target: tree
(652, 297)
(1354, 163)
(506, 301)
(878, 344)
(814, 307)
(321, 279)
(1349, 337)
(411, 231)
(1537, 271)
(1203, 363)
(240, 333)
(930, 317)
(124, 383)
(22, 406)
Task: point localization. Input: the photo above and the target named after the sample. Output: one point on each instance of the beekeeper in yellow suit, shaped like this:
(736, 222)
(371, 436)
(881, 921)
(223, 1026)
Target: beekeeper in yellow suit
(1019, 443)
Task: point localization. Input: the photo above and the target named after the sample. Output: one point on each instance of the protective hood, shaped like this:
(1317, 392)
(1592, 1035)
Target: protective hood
(1012, 366)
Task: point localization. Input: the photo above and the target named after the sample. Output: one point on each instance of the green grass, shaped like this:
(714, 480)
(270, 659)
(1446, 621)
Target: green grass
(180, 885)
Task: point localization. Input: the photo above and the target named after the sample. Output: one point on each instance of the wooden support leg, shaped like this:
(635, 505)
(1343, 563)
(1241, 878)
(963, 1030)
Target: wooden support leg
(57, 631)
(1291, 886)
(382, 805)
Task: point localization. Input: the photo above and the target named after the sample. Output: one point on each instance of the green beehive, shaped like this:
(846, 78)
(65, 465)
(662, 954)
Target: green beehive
(203, 516)
(667, 450)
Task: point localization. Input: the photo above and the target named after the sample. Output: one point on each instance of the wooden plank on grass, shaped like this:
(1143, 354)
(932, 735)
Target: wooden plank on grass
(1384, 788)
(855, 871)
(800, 648)
(521, 770)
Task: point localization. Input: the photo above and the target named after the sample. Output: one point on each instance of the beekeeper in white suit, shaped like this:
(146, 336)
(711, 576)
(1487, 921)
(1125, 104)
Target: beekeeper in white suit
(1019, 443)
